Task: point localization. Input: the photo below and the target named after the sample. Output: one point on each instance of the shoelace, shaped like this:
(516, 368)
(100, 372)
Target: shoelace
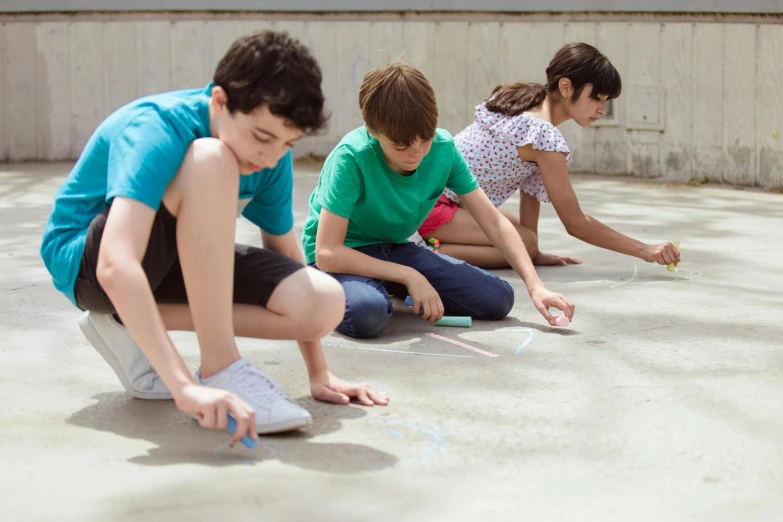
(259, 385)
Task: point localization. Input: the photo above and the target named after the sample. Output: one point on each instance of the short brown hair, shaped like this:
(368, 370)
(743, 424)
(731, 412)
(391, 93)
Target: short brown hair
(272, 68)
(398, 102)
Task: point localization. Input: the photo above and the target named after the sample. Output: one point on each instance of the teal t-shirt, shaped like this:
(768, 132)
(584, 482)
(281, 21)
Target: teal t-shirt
(382, 206)
(135, 153)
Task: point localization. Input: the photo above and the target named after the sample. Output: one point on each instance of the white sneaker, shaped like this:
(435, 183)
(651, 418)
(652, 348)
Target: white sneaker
(118, 348)
(274, 412)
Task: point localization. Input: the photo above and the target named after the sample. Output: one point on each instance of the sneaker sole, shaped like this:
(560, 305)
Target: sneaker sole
(102, 348)
(277, 427)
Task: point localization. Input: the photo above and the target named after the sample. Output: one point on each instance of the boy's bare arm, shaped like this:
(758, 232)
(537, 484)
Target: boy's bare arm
(506, 239)
(285, 244)
(503, 235)
(333, 256)
(122, 277)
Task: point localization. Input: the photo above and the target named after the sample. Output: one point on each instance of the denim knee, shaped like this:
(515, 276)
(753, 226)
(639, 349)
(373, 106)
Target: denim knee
(497, 300)
(366, 315)
(365, 324)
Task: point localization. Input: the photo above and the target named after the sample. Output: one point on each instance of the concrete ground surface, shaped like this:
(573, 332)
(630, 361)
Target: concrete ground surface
(661, 402)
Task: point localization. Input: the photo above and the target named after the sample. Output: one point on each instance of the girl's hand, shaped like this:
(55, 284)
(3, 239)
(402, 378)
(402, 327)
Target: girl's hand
(425, 297)
(328, 388)
(542, 259)
(545, 299)
(663, 254)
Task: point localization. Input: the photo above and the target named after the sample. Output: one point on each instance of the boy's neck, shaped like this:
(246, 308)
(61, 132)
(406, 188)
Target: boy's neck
(212, 122)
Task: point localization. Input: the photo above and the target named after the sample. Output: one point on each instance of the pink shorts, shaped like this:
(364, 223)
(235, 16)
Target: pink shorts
(441, 213)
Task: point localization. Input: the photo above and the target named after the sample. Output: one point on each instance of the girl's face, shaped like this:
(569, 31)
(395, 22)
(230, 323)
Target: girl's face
(402, 158)
(585, 110)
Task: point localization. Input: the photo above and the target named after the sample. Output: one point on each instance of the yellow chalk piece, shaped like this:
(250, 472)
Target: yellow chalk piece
(670, 267)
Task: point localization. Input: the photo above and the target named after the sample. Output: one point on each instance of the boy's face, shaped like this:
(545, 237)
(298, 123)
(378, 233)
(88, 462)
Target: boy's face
(258, 140)
(402, 158)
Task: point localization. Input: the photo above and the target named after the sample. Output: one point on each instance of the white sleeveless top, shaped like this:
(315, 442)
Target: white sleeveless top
(489, 145)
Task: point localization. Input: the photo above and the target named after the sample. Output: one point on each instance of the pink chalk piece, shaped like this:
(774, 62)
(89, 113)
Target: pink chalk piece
(463, 345)
(562, 320)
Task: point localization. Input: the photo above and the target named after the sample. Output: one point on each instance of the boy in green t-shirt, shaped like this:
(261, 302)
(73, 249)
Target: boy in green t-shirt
(377, 187)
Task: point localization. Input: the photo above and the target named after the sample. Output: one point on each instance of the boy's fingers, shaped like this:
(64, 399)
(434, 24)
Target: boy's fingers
(243, 422)
(207, 417)
(221, 417)
(363, 397)
(376, 397)
(543, 311)
(330, 395)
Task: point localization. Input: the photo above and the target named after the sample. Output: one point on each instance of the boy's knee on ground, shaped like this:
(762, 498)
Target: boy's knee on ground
(496, 300)
(367, 312)
(366, 324)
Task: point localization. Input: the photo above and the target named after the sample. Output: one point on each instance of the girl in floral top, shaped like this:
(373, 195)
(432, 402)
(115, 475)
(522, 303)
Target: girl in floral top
(514, 145)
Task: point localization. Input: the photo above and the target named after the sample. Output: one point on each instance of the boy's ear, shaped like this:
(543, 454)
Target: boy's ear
(219, 99)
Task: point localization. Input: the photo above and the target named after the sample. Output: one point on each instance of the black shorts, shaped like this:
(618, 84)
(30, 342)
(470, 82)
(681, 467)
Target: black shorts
(257, 271)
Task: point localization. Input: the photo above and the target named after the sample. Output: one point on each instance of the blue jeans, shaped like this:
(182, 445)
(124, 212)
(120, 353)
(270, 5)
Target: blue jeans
(463, 289)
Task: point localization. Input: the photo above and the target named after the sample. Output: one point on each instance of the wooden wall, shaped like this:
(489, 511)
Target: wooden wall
(722, 102)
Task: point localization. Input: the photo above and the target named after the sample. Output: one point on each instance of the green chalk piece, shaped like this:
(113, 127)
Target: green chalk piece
(455, 320)
(670, 267)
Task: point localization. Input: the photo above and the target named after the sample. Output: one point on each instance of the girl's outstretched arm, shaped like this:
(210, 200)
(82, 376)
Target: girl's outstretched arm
(554, 172)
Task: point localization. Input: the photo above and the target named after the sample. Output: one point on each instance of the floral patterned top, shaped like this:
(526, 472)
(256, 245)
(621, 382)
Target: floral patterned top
(490, 144)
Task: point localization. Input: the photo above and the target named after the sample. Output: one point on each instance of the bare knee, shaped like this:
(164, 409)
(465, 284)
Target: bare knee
(209, 167)
(315, 300)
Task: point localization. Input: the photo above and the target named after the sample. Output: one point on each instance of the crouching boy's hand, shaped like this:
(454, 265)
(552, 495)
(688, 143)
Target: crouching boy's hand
(328, 388)
(212, 406)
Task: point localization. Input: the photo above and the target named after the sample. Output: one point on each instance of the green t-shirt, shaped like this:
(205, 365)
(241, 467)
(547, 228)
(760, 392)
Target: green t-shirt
(382, 206)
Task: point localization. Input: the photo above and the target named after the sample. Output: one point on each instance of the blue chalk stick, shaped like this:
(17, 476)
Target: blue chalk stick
(409, 301)
(246, 440)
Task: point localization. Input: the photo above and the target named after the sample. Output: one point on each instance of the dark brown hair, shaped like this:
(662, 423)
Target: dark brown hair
(398, 102)
(581, 63)
(275, 69)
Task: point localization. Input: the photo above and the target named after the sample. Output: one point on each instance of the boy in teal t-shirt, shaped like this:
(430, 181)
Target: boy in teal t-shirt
(377, 187)
(141, 237)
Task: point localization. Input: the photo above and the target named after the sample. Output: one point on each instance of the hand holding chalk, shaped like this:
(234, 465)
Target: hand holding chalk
(670, 267)
(448, 320)
(246, 440)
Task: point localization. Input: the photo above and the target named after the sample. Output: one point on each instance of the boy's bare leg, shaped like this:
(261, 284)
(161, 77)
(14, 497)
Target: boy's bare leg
(305, 306)
(203, 198)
